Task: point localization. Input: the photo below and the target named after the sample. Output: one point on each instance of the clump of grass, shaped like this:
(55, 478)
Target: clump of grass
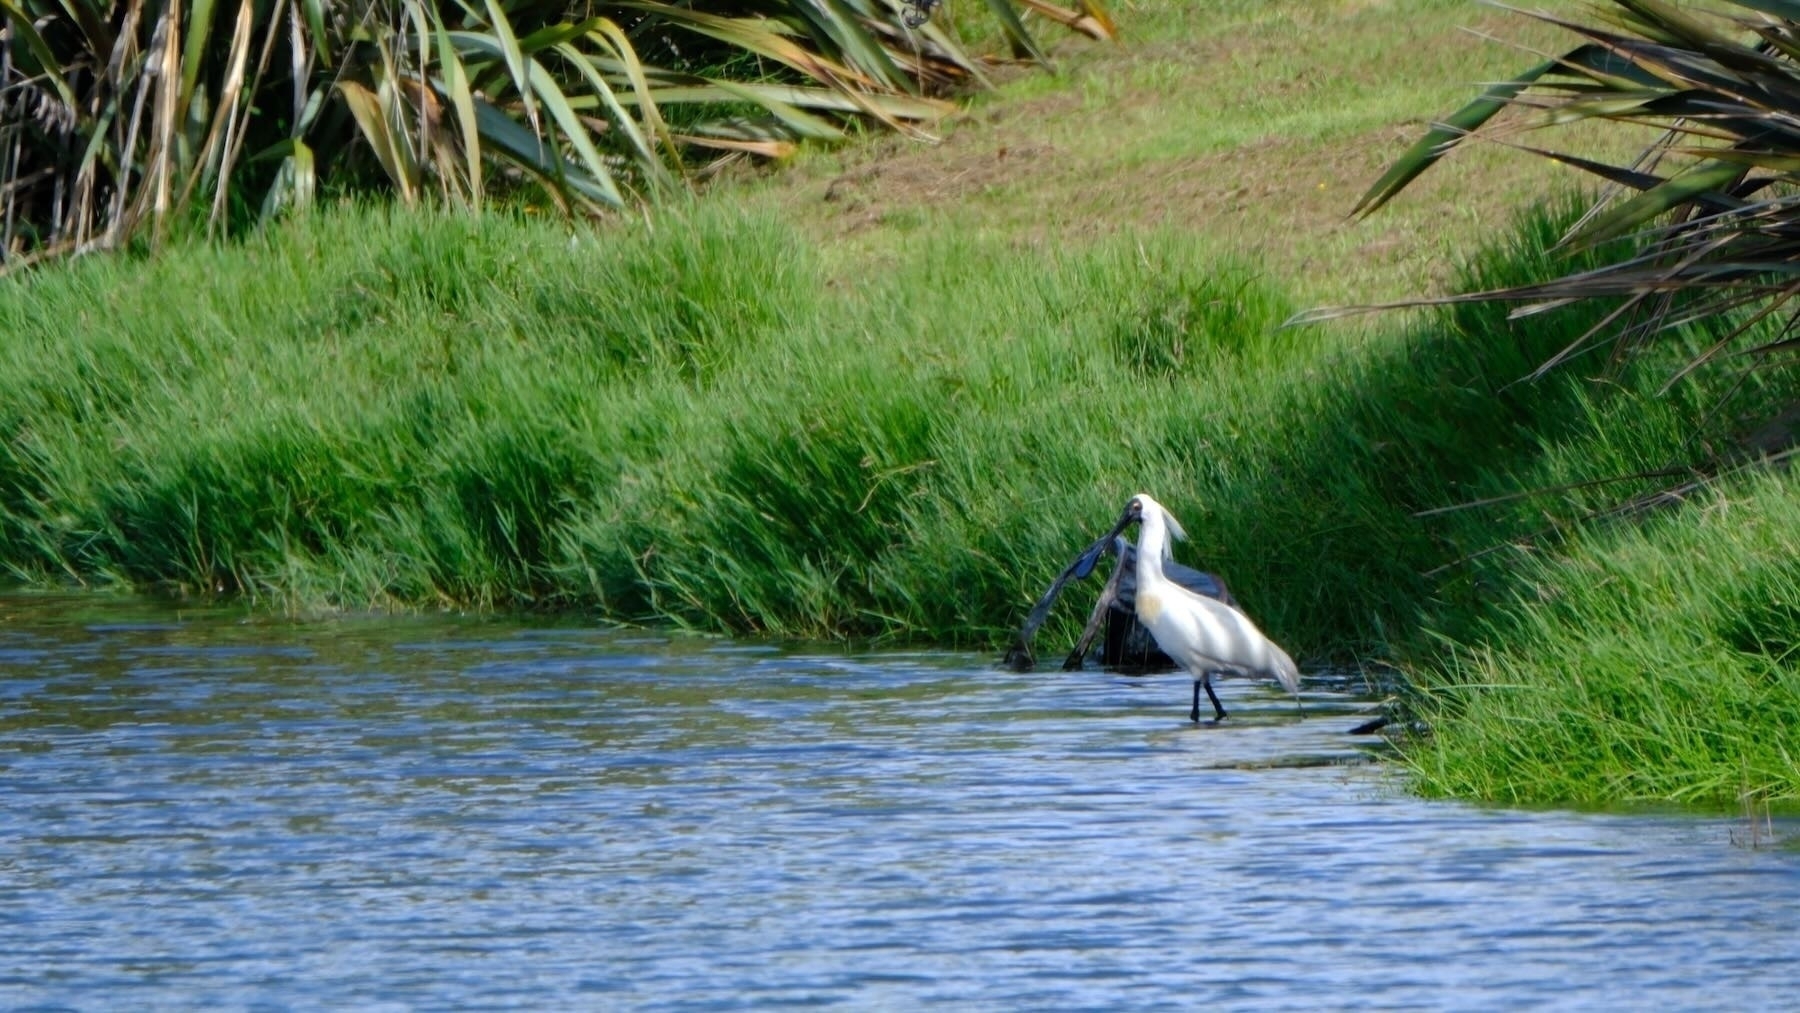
(353, 380)
(1651, 662)
(1172, 326)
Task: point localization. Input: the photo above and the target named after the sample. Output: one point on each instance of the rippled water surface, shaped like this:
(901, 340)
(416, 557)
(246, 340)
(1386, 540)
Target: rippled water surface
(209, 809)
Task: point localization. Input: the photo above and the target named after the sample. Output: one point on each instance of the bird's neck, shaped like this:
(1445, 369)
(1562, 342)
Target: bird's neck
(1153, 541)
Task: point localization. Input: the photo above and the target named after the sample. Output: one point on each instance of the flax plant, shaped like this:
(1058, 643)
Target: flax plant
(1712, 203)
(116, 118)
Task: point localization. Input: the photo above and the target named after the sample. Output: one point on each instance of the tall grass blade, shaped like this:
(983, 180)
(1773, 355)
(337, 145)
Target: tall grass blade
(506, 136)
(320, 44)
(515, 60)
(573, 130)
(1438, 141)
(1710, 180)
(47, 66)
(1020, 36)
(295, 181)
(371, 118)
(456, 86)
(610, 35)
(640, 142)
(199, 27)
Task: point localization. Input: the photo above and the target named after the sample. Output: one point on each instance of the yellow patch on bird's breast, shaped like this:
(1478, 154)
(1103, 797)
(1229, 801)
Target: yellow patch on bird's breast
(1149, 606)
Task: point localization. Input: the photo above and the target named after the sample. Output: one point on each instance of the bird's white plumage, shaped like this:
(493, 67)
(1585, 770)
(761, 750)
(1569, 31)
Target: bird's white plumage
(1203, 635)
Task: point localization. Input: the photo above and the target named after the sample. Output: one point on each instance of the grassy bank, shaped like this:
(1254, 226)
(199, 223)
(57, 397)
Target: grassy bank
(894, 413)
(693, 424)
(1655, 661)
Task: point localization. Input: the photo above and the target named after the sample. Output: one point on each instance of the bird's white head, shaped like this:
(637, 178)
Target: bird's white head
(1145, 510)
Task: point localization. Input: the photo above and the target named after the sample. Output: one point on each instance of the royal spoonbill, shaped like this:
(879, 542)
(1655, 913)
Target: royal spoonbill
(1204, 635)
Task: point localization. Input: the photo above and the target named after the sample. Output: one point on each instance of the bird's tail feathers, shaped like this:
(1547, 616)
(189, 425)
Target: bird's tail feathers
(1286, 671)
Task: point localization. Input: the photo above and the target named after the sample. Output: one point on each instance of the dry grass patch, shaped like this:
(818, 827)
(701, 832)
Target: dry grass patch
(1255, 127)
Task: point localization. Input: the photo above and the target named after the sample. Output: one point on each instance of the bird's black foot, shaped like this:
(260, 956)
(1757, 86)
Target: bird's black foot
(1218, 708)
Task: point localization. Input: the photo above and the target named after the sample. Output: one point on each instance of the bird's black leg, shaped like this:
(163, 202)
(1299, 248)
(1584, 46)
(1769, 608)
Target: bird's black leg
(1218, 708)
(1194, 715)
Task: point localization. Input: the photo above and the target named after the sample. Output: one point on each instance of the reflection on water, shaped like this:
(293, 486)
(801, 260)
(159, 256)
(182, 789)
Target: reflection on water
(203, 808)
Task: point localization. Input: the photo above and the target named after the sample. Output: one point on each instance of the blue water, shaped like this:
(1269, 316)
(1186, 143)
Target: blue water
(210, 809)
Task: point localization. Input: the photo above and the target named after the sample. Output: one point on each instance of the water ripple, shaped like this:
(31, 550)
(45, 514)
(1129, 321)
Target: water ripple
(213, 809)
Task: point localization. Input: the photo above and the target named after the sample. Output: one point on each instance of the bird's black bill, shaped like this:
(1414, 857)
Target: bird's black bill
(1126, 519)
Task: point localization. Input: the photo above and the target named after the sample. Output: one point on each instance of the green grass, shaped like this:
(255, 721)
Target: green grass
(1650, 662)
(691, 424)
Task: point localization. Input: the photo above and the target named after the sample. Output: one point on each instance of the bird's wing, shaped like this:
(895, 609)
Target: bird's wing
(1181, 593)
(1221, 634)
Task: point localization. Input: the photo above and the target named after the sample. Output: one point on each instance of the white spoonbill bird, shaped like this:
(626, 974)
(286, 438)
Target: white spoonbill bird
(1205, 636)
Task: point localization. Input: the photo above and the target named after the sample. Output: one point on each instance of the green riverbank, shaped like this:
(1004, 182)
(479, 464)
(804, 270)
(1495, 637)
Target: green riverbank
(702, 424)
(886, 392)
